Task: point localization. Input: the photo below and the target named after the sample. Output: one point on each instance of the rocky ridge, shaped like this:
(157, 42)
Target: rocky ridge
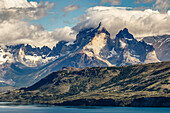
(25, 64)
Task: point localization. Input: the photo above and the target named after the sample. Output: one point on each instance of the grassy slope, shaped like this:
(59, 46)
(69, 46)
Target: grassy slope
(120, 86)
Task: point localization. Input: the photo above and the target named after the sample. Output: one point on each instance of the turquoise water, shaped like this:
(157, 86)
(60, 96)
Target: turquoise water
(61, 109)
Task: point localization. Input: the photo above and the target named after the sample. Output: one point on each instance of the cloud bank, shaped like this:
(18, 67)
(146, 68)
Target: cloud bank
(14, 29)
(20, 9)
(139, 23)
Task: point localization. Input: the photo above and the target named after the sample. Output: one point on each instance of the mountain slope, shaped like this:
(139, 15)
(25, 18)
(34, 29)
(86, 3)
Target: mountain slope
(95, 48)
(115, 86)
(25, 64)
(161, 45)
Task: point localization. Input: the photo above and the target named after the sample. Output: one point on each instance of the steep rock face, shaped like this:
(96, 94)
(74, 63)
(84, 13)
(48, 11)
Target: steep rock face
(125, 41)
(161, 45)
(99, 45)
(127, 50)
(85, 36)
(123, 50)
(62, 48)
(30, 56)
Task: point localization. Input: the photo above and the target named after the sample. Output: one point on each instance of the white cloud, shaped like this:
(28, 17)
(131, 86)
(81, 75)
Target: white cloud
(22, 32)
(65, 33)
(17, 4)
(139, 23)
(70, 8)
(169, 12)
(18, 32)
(20, 9)
(15, 30)
(113, 2)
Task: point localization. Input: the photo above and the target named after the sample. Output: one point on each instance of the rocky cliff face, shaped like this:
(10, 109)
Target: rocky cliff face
(161, 45)
(130, 51)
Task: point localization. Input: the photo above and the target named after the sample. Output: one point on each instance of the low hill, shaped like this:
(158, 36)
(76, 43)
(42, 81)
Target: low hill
(136, 85)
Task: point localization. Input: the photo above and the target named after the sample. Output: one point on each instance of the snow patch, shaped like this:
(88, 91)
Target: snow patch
(33, 61)
(113, 52)
(128, 58)
(137, 56)
(18, 4)
(128, 39)
(123, 44)
(70, 43)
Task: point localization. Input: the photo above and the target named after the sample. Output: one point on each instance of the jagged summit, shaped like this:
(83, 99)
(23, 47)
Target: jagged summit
(125, 34)
(100, 24)
(125, 30)
(87, 35)
(102, 29)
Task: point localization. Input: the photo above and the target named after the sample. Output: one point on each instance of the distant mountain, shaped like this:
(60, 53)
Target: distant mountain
(136, 85)
(161, 45)
(24, 64)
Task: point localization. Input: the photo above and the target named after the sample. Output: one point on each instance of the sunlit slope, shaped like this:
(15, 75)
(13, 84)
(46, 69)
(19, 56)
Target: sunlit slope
(115, 86)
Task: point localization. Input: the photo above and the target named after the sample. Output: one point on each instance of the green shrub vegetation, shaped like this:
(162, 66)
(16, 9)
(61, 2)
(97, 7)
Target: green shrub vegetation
(119, 86)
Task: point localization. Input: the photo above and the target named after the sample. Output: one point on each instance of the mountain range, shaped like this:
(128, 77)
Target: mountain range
(24, 64)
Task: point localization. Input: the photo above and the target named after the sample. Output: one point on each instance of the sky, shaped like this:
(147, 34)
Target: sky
(58, 17)
(45, 22)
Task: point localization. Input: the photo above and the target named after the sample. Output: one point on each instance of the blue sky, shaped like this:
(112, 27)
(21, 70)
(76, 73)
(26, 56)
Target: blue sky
(57, 18)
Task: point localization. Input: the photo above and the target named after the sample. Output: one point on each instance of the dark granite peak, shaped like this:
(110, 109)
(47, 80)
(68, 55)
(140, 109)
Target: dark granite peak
(125, 30)
(100, 24)
(124, 34)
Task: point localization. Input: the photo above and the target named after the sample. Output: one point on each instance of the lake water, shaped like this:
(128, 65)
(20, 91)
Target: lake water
(62, 109)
